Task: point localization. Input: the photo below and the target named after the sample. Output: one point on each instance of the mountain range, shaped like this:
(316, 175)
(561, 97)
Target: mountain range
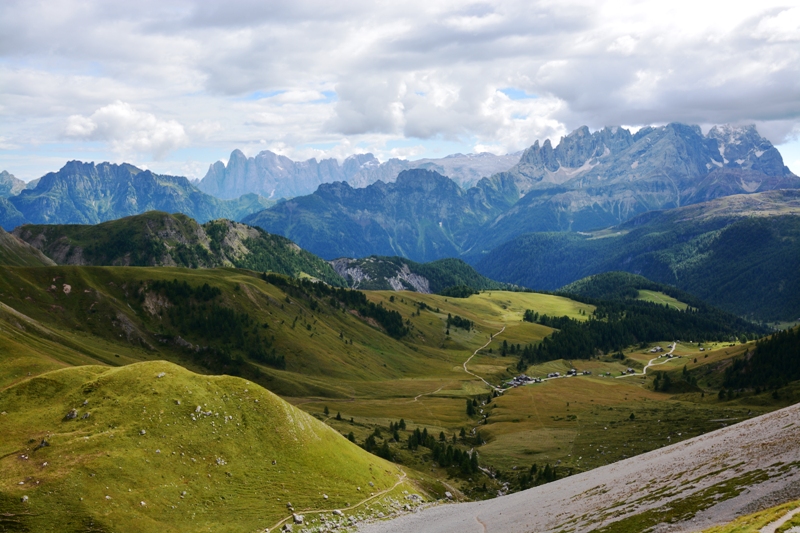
(86, 193)
(275, 176)
(589, 181)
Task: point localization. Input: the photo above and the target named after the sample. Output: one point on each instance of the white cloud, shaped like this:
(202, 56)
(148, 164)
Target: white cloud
(315, 78)
(128, 131)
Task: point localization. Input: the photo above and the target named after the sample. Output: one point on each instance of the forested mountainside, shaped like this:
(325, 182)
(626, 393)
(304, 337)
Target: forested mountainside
(739, 253)
(397, 273)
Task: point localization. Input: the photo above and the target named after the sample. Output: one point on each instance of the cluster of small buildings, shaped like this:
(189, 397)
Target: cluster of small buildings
(522, 379)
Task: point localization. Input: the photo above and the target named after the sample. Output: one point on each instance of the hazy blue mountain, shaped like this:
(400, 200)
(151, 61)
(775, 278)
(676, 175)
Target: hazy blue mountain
(740, 253)
(85, 193)
(595, 180)
(10, 184)
(10, 217)
(589, 181)
(276, 176)
(423, 216)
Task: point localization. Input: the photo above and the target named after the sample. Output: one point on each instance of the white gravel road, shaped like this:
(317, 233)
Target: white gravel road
(582, 502)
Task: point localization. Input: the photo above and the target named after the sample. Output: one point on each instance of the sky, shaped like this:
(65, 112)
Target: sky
(176, 85)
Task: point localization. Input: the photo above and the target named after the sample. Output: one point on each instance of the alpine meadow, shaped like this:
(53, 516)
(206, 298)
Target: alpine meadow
(430, 267)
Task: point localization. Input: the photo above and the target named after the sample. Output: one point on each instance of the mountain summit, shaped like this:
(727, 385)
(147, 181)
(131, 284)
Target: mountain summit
(588, 181)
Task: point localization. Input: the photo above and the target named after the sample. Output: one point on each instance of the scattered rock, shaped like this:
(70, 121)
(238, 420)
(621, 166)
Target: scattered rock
(286, 527)
(67, 289)
(274, 462)
(142, 432)
(142, 504)
(298, 518)
(85, 415)
(198, 409)
(183, 493)
(108, 497)
(85, 402)
(73, 413)
(337, 512)
(24, 499)
(161, 374)
(177, 402)
(324, 496)
(371, 484)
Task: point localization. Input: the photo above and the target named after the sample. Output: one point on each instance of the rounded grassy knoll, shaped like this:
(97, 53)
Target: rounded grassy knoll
(154, 447)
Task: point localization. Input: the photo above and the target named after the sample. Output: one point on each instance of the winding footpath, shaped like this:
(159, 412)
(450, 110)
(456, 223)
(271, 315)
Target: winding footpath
(649, 364)
(350, 508)
(476, 353)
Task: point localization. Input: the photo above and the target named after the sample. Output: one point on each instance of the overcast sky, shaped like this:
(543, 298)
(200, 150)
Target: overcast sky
(176, 85)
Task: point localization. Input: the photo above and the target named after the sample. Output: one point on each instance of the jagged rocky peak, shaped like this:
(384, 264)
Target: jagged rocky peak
(10, 184)
(578, 148)
(743, 147)
(730, 146)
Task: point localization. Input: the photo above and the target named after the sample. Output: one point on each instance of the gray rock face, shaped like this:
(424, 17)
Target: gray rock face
(10, 185)
(276, 176)
(595, 180)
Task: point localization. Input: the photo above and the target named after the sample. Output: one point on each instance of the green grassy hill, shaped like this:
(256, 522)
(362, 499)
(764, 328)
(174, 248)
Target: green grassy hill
(334, 354)
(161, 239)
(15, 252)
(154, 447)
(624, 285)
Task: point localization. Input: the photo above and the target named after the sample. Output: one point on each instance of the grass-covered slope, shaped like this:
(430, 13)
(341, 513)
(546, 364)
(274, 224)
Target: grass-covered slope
(161, 239)
(397, 273)
(739, 253)
(15, 252)
(624, 285)
(154, 447)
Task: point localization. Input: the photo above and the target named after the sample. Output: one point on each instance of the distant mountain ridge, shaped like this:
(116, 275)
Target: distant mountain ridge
(423, 216)
(10, 184)
(275, 176)
(88, 193)
(589, 181)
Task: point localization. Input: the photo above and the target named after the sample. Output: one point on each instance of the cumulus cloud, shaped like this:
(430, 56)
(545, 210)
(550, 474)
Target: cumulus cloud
(319, 78)
(128, 131)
